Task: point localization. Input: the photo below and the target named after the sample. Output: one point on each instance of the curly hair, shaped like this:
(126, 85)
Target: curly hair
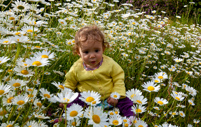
(89, 34)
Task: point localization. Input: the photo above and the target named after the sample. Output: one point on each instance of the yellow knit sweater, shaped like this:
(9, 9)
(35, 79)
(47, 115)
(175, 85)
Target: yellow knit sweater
(108, 78)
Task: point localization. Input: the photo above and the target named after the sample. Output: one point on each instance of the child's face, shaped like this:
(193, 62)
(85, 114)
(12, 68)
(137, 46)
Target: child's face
(91, 53)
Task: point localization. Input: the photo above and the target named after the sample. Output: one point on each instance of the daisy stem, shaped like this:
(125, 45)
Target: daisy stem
(18, 52)
(18, 115)
(65, 106)
(11, 113)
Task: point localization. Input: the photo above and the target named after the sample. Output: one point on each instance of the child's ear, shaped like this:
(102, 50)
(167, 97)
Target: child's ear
(78, 52)
(103, 48)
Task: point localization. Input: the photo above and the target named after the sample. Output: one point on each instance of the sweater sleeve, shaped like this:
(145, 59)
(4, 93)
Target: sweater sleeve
(118, 79)
(70, 79)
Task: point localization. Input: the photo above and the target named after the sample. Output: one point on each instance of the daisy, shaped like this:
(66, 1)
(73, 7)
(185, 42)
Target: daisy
(22, 71)
(173, 113)
(138, 109)
(161, 75)
(20, 6)
(4, 89)
(31, 124)
(90, 97)
(16, 83)
(115, 95)
(181, 113)
(177, 60)
(133, 93)
(29, 29)
(37, 61)
(74, 111)
(177, 96)
(66, 96)
(4, 112)
(150, 87)
(190, 101)
(4, 59)
(45, 94)
(115, 120)
(97, 117)
(140, 123)
(20, 100)
(45, 54)
(181, 106)
(160, 101)
(20, 39)
(37, 103)
(74, 123)
(140, 100)
(58, 85)
(196, 121)
(41, 116)
(8, 98)
(191, 90)
(9, 124)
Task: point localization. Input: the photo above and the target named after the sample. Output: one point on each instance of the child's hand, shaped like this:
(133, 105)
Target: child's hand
(112, 101)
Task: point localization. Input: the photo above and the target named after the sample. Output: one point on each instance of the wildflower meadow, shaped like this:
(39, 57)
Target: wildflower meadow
(160, 56)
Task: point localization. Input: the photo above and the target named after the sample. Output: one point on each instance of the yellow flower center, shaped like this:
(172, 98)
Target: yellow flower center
(5, 41)
(60, 86)
(177, 98)
(9, 125)
(30, 95)
(140, 126)
(73, 123)
(20, 102)
(29, 30)
(93, 102)
(2, 92)
(126, 125)
(133, 95)
(160, 102)
(138, 110)
(17, 33)
(111, 113)
(29, 89)
(2, 113)
(96, 119)
(173, 113)
(181, 114)
(16, 84)
(20, 7)
(39, 104)
(47, 95)
(116, 112)
(37, 46)
(24, 72)
(115, 96)
(125, 120)
(150, 88)
(156, 81)
(160, 77)
(37, 63)
(73, 113)
(11, 18)
(89, 99)
(44, 56)
(115, 122)
(134, 121)
(138, 101)
(9, 100)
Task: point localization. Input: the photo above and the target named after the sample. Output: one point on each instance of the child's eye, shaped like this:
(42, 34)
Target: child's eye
(86, 52)
(96, 50)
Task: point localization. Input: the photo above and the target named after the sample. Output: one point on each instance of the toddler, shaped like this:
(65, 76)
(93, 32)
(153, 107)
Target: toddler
(97, 72)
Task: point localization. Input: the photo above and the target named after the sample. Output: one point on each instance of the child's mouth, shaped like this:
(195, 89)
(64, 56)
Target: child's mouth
(93, 62)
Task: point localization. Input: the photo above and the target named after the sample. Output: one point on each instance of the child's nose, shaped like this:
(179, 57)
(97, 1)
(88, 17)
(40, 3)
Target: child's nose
(92, 55)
